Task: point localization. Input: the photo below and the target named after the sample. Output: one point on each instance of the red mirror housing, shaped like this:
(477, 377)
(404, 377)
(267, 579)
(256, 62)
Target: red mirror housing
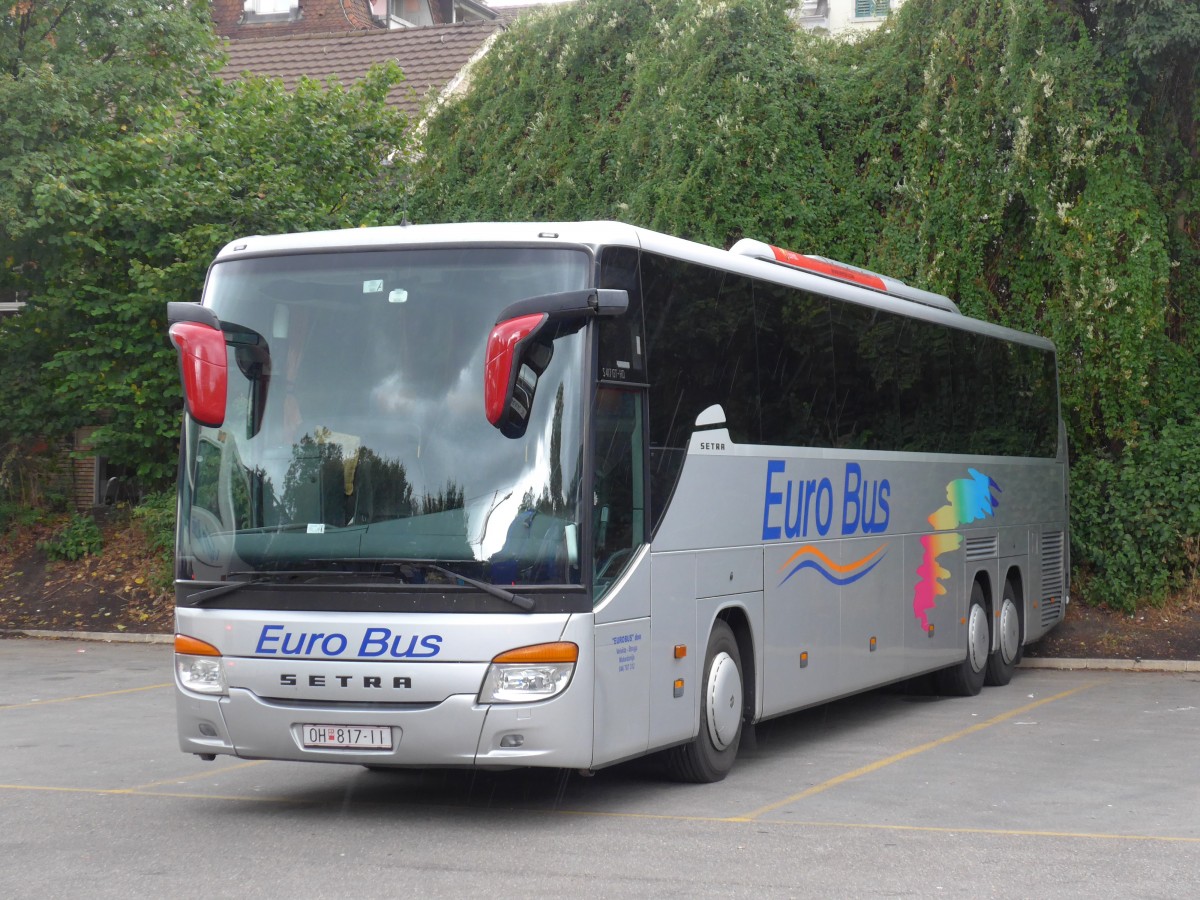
(203, 368)
(500, 371)
(521, 345)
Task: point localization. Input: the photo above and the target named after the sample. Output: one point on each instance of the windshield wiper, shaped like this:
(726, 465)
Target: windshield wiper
(521, 602)
(275, 576)
(517, 600)
(201, 597)
(269, 576)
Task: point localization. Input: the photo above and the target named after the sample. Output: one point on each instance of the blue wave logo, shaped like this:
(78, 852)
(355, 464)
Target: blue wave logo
(811, 557)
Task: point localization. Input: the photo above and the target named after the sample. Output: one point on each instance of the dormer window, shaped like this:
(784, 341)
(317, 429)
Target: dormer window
(409, 13)
(270, 11)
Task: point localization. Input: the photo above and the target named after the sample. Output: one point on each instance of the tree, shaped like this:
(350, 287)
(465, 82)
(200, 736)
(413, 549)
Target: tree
(1158, 44)
(74, 73)
(134, 221)
(1036, 161)
(687, 116)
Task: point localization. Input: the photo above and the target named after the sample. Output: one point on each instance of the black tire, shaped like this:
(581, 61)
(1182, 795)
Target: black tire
(966, 678)
(710, 756)
(1007, 654)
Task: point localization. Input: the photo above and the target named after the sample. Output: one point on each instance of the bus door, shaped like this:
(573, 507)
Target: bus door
(620, 574)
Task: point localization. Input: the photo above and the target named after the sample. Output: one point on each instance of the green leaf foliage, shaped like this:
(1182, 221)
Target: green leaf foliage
(155, 517)
(134, 223)
(683, 116)
(1035, 160)
(1142, 515)
(73, 72)
(80, 537)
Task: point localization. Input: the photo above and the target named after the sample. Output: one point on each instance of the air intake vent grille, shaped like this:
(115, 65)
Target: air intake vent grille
(978, 548)
(1052, 577)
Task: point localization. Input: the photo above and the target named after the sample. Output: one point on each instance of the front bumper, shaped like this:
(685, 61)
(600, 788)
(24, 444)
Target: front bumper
(457, 731)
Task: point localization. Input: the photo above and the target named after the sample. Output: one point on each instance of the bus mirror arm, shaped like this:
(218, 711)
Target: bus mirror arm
(192, 312)
(569, 310)
(610, 302)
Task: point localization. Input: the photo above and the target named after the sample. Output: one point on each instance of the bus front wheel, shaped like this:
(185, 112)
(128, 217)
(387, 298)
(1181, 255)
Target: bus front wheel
(710, 756)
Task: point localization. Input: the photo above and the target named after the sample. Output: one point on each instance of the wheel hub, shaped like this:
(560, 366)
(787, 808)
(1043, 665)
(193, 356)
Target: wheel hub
(977, 638)
(1010, 631)
(724, 701)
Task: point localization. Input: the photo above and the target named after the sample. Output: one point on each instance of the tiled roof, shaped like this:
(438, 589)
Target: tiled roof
(430, 57)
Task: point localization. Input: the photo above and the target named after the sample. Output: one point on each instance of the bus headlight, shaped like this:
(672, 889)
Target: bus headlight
(529, 674)
(199, 666)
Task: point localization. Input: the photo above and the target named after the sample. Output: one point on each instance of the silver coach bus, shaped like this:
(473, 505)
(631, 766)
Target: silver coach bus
(565, 494)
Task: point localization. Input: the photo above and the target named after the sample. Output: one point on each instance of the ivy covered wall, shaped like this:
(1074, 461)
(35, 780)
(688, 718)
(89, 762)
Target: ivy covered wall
(1037, 160)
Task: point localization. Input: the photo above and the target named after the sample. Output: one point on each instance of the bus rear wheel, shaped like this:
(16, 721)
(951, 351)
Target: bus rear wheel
(1006, 656)
(710, 756)
(966, 678)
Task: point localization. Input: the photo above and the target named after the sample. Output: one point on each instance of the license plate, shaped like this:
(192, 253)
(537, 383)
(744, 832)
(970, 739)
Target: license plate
(360, 737)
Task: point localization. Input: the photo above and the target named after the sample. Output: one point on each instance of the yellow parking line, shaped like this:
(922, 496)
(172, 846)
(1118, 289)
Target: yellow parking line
(33, 703)
(138, 792)
(207, 773)
(617, 814)
(905, 754)
(58, 790)
(991, 832)
(145, 789)
(877, 826)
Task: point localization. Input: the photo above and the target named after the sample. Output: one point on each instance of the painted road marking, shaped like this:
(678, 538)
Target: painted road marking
(905, 754)
(616, 814)
(35, 703)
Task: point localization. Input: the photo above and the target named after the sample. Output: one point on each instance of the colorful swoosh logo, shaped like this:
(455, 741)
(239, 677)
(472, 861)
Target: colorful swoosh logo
(810, 557)
(968, 500)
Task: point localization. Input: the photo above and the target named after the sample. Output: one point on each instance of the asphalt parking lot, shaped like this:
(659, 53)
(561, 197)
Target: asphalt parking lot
(1063, 784)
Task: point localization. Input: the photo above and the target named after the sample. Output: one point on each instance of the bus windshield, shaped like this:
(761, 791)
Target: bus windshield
(355, 436)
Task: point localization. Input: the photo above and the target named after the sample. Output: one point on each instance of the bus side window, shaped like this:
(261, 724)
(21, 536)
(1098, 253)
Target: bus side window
(622, 339)
(700, 351)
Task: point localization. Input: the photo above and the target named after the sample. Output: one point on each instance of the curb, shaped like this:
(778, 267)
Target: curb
(1065, 664)
(1119, 665)
(115, 637)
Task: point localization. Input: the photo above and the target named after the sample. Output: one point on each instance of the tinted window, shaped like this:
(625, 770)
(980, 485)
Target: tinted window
(700, 351)
(837, 374)
(796, 372)
(793, 368)
(622, 339)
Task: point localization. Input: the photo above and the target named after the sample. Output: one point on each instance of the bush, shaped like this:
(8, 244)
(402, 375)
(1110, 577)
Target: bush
(17, 515)
(1134, 519)
(81, 537)
(156, 519)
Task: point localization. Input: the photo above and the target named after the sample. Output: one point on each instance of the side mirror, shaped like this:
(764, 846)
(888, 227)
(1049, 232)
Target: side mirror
(196, 333)
(521, 345)
(515, 360)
